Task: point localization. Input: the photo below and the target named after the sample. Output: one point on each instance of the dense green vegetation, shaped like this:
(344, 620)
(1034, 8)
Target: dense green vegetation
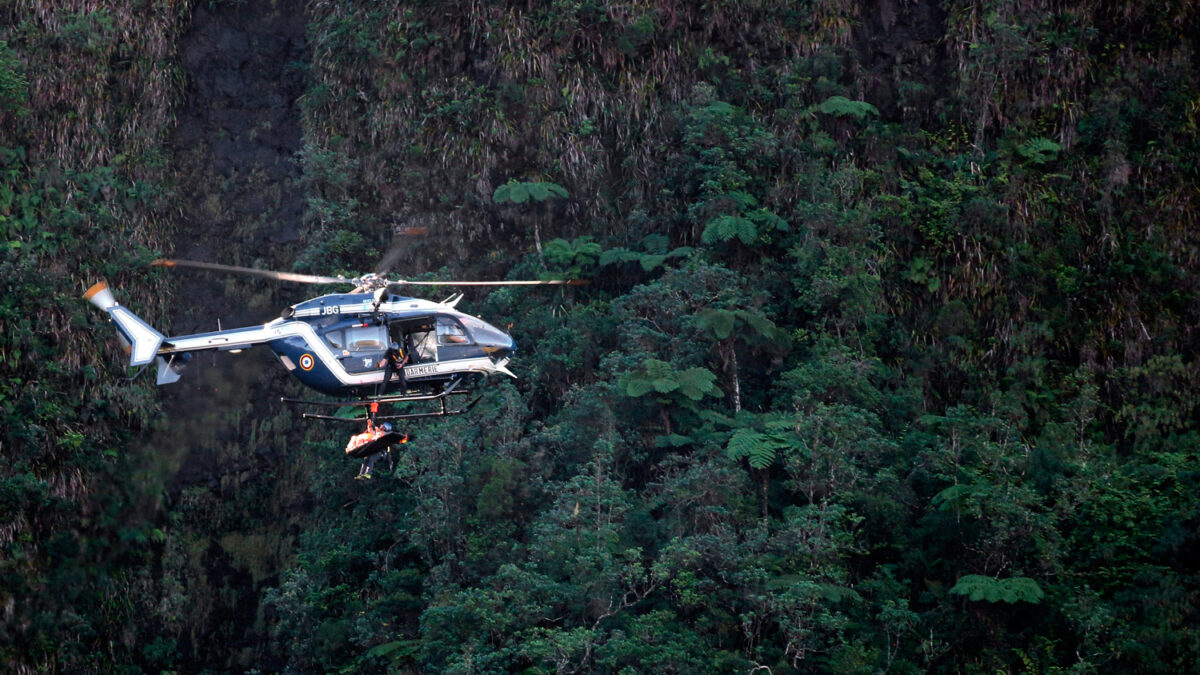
(887, 364)
(85, 106)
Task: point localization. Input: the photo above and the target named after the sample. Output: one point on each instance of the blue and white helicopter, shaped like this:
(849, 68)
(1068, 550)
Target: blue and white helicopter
(368, 347)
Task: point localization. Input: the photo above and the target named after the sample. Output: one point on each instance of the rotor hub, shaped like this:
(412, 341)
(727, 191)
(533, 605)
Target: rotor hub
(369, 283)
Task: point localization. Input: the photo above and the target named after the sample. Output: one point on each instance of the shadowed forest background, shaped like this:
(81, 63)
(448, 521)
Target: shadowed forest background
(888, 362)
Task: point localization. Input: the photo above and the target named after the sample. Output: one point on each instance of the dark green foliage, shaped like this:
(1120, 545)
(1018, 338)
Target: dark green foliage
(653, 256)
(1010, 590)
(759, 449)
(660, 378)
(521, 192)
(867, 370)
(573, 258)
(888, 362)
(840, 106)
(1039, 150)
(14, 88)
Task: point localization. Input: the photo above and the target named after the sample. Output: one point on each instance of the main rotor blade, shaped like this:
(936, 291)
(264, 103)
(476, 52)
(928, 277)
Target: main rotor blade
(389, 260)
(281, 276)
(394, 254)
(547, 282)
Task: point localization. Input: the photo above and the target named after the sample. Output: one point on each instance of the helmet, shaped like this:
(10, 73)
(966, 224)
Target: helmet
(393, 346)
(386, 427)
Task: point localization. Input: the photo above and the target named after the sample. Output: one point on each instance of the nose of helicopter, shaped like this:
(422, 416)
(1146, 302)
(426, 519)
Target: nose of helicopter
(493, 341)
(500, 347)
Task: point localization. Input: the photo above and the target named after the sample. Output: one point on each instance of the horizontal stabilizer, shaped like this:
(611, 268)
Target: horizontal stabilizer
(170, 369)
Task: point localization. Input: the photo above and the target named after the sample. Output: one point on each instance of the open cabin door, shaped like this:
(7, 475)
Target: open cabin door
(416, 336)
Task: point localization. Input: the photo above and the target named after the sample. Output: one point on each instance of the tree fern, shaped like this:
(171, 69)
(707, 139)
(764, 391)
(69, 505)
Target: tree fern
(719, 321)
(722, 322)
(840, 106)
(655, 376)
(1039, 150)
(1014, 589)
(520, 192)
(725, 228)
(753, 446)
(696, 383)
(648, 261)
(572, 257)
(661, 377)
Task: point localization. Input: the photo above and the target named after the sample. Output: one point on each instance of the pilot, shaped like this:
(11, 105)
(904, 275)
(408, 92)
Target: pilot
(393, 362)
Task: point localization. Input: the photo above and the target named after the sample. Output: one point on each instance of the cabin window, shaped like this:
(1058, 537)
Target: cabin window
(366, 339)
(425, 345)
(336, 339)
(450, 332)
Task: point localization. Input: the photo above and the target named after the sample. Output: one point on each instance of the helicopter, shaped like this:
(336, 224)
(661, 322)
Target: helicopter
(367, 347)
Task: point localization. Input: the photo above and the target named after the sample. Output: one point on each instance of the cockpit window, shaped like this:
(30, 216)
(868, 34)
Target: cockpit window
(366, 338)
(483, 331)
(450, 332)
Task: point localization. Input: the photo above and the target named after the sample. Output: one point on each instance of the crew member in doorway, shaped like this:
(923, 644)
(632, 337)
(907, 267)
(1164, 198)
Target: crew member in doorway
(393, 362)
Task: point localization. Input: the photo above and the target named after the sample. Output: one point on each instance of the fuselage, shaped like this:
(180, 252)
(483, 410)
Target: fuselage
(338, 343)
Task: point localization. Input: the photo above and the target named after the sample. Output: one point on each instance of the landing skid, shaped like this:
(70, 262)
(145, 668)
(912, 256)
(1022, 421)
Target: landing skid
(372, 404)
(444, 412)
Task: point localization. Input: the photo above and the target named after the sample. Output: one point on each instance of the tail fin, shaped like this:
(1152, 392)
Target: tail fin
(141, 337)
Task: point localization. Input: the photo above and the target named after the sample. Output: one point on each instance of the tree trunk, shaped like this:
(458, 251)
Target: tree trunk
(737, 385)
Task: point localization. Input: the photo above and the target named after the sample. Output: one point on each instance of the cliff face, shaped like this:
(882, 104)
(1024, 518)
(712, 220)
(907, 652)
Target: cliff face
(225, 447)
(129, 134)
(238, 131)
(886, 364)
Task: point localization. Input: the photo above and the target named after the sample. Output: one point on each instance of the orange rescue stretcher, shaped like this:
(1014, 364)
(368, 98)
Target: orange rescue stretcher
(374, 440)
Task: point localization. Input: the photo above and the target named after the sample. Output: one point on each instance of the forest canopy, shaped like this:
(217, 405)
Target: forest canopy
(887, 364)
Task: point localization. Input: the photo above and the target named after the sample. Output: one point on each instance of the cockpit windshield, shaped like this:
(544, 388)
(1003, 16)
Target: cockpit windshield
(484, 332)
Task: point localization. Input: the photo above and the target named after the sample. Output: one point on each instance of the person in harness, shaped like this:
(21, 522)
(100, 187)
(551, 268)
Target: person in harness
(394, 360)
(371, 444)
